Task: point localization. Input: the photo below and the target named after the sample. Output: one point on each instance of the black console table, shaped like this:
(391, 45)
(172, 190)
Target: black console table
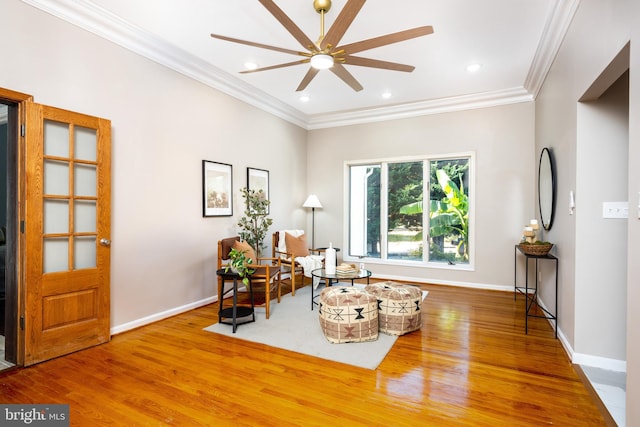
(532, 299)
(236, 311)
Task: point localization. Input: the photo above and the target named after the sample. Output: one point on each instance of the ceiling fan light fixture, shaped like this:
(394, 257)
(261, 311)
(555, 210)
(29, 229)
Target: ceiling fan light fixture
(250, 65)
(321, 61)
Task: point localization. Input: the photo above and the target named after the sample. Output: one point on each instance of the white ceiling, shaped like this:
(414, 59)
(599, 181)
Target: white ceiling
(514, 40)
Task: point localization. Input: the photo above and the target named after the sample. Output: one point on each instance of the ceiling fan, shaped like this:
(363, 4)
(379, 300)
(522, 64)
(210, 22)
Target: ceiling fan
(326, 53)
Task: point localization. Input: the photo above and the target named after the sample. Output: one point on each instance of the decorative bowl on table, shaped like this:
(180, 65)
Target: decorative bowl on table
(536, 249)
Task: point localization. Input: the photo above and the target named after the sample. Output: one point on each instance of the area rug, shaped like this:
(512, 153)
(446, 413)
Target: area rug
(293, 326)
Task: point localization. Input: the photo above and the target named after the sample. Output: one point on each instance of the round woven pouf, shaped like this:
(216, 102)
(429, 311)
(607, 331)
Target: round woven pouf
(348, 314)
(399, 307)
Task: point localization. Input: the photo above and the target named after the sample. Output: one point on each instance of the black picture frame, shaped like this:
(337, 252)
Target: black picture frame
(217, 189)
(258, 179)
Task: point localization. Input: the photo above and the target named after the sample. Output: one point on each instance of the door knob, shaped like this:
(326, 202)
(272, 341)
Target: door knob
(105, 242)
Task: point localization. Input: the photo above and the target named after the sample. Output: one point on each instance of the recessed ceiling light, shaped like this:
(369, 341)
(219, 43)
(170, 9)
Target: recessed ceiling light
(304, 98)
(472, 68)
(386, 95)
(250, 65)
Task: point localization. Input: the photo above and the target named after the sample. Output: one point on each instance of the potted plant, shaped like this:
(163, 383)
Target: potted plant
(238, 264)
(255, 223)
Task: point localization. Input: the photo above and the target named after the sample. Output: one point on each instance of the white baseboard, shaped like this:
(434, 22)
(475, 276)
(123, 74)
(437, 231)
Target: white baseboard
(161, 315)
(587, 359)
(600, 362)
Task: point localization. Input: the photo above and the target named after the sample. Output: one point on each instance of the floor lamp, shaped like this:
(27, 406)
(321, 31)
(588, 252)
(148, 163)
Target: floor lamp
(313, 203)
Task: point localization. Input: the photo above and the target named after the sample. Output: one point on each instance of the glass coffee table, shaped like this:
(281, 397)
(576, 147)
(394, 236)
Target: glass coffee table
(330, 279)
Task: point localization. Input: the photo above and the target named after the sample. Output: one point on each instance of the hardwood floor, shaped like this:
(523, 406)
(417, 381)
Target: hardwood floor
(470, 364)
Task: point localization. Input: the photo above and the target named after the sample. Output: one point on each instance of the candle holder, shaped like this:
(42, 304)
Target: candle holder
(529, 244)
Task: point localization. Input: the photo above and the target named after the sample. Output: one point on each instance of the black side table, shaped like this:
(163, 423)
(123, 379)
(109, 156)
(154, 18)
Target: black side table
(532, 299)
(234, 312)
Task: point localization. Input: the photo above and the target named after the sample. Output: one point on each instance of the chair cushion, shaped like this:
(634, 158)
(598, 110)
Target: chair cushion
(227, 245)
(296, 245)
(247, 249)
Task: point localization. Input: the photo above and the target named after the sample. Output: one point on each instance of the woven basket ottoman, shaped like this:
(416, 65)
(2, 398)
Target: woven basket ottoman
(399, 307)
(348, 314)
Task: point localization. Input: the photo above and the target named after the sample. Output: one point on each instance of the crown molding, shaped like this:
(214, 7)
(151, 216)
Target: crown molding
(105, 24)
(422, 108)
(552, 36)
(101, 22)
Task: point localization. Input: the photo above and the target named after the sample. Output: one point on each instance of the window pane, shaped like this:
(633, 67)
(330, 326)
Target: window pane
(364, 211)
(405, 188)
(449, 211)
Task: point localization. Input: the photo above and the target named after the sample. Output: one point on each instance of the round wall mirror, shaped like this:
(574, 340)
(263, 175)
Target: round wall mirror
(546, 188)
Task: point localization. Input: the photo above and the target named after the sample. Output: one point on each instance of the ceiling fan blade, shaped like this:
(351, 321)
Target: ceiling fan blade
(346, 77)
(307, 79)
(273, 67)
(287, 23)
(386, 39)
(342, 23)
(376, 63)
(254, 44)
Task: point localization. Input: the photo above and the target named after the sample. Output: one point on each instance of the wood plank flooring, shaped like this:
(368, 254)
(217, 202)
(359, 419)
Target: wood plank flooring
(470, 365)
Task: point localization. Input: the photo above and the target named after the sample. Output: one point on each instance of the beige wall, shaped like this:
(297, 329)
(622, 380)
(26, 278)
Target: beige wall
(502, 140)
(164, 125)
(599, 31)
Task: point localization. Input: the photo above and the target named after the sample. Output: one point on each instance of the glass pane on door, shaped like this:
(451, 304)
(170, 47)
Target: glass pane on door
(56, 178)
(85, 143)
(56, 139)
(56, 255)
(84, 180)
(56, 216)
(84, 252)
(85, 216)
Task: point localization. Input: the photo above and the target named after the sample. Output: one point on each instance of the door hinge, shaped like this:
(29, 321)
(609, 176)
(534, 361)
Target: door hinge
(22, 323)
(22, 130)
(22, 226)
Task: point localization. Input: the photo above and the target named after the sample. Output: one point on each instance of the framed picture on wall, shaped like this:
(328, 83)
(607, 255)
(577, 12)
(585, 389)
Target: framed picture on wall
(258, 179)
(217, 189)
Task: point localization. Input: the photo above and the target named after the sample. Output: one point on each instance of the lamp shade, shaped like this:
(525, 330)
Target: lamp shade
(312, 202)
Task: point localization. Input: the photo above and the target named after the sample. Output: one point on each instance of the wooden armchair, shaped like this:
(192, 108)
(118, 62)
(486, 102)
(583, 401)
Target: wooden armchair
(288, 256)
(267, 273)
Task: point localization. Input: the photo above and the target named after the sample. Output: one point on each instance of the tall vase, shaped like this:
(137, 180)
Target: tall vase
(330, 260)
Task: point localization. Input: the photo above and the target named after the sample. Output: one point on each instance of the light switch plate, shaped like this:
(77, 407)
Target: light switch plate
(615, 209)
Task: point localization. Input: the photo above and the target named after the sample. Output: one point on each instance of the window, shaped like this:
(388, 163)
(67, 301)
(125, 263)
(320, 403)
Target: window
(388, 214)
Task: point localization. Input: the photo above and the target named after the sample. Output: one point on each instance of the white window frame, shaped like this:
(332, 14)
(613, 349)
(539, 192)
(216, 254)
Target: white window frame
(470, 266)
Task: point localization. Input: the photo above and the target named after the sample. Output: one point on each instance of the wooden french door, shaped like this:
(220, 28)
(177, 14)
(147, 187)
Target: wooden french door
(67, 231)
